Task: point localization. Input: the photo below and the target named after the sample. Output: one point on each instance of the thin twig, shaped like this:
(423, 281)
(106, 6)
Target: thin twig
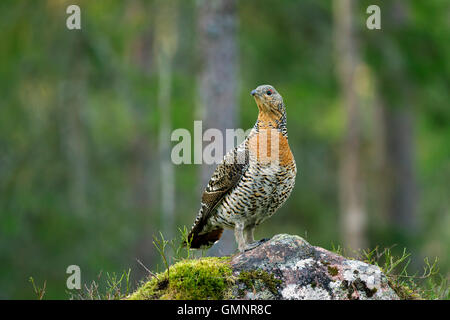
(145, 268)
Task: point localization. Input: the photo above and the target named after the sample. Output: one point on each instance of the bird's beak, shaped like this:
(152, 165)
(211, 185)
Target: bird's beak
(253, 92)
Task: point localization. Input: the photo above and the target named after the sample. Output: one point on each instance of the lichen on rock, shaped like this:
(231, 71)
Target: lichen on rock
(308, 272)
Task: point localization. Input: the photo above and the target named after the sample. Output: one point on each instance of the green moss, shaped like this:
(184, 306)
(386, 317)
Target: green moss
(251, 279)
(333, 271)
(201, 279)
(404, 291)
(198, 279)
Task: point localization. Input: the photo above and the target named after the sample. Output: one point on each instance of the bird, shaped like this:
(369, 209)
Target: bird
(252, 181)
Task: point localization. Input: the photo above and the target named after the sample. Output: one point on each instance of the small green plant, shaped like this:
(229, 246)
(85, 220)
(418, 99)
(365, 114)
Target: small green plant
(160, 245)
(40, 292)
(178, 247)
(114, 285)
(425, 285)
(336, 249)
(428, 284)
(115, 288)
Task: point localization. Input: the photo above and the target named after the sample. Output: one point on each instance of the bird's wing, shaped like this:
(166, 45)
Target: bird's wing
(225, 177)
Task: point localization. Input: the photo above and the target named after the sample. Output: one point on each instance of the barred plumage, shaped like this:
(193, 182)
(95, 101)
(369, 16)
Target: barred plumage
(253, 180)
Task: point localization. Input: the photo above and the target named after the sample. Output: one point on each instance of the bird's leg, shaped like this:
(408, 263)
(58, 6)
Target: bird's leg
(248, 233)
(250, 240)
(239, 235)
(244, 237)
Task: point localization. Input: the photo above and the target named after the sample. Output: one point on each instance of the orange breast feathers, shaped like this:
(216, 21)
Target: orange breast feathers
(269, 145)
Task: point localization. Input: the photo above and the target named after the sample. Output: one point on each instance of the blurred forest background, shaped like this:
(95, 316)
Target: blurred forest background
(86, 117)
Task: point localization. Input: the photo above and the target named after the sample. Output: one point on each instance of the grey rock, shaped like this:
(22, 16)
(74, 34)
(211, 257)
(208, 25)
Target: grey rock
(302, 271)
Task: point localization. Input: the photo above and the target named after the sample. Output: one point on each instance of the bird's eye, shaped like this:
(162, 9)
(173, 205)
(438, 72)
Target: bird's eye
(269, 92)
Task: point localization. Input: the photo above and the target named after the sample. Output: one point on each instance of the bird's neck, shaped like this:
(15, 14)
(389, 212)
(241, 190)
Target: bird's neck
(268, 141)
(269, 120)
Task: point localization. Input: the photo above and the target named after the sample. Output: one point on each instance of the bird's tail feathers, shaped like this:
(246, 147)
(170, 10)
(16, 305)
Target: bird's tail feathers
(204, 240)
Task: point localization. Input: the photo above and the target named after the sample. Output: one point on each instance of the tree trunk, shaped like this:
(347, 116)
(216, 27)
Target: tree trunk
(217, 81)
(400, 150)
(397, 188)
(165, 46)
(352, 185)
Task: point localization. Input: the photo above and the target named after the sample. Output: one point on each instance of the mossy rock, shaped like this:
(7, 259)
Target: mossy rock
(209, 278)
(285, 267)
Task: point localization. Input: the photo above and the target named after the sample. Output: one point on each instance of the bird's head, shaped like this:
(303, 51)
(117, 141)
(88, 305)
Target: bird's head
(268, 99)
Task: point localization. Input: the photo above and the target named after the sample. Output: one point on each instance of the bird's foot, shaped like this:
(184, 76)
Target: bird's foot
(255, 244)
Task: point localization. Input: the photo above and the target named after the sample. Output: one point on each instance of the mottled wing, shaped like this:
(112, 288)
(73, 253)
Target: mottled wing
(225, 177)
